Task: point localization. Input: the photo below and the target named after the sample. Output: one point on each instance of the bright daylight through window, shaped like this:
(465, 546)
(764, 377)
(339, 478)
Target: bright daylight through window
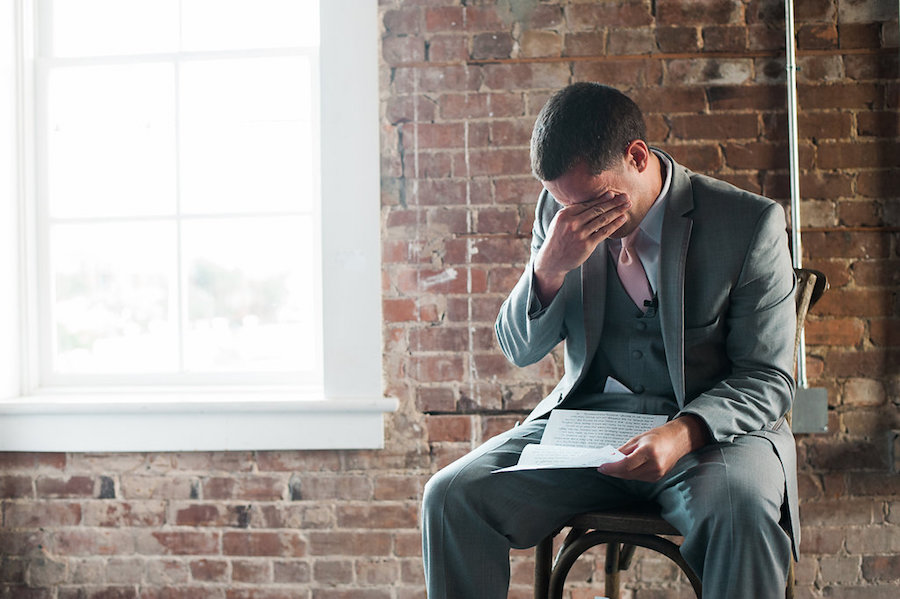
(177, 184)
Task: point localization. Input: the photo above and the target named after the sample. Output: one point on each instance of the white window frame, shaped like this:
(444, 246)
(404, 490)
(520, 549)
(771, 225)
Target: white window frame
(347, 414)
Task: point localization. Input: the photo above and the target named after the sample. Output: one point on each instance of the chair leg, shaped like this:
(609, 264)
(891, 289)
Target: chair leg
(543, 563)
(611, 570)
(789, 589)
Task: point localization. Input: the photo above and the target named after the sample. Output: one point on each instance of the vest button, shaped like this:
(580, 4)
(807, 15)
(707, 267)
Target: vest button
(637, 354)
(638, 388)
(640, 326)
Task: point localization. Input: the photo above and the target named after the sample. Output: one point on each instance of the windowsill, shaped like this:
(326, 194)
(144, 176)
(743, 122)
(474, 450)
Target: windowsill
(191, 420)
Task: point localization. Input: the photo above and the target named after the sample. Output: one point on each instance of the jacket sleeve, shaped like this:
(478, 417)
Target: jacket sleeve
(761, 324)
(528, 331)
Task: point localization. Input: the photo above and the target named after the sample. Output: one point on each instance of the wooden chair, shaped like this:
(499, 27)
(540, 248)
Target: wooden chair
(623, 530)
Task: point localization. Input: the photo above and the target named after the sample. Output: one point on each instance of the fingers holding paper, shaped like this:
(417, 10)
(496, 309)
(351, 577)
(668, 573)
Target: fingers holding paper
(650, 455)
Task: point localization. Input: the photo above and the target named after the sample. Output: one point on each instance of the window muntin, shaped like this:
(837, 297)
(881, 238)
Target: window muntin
(177, 175)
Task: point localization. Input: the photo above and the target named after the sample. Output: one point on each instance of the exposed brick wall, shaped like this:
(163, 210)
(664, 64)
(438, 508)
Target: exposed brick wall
(461, 83)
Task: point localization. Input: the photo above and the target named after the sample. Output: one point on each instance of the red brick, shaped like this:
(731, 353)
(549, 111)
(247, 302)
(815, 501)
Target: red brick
(875, 363)
(814, 186)
(678, 39)
(881, 567)
(13, 487)
(44, 514)
(448, 78)
(618, 73)
(124, 513)
(756, 155)
(104, 592)
(74, 486)
(435, 399)
(251, 487)
(291, 572)
(448, 280)
(860, 214)
(177, 543)
(211, 570)
(253, 572)
(878, 154)
(817, 36)
(448, 48)
(697, 12)
(332, 571)
(389, 516)
(835, 332)
(628, 42)
(291, 461)
(403, 21)
(336, 542)
(627, 13)
(863, 96)
(285, 544)
(492, 45)
(859, 35)
(846, 302)
(400, 50)
(821, 540)
(765, 38)
(701, 158)
(670, 100)
(331, 486)
(724, 38)
(540, 44)
(77, 541)
(878, 124)
(399, 310)
(378, 572)
(715, 126)
(398, 487)
(585, 43)
(17, 461)
(439, 368)
(878, 184)
(449, 428)
(847, 455)
(846, 244)
(885, 332)
(479, 105)
(446, 339)
(445, 18)
(812, 125)
(543, 16)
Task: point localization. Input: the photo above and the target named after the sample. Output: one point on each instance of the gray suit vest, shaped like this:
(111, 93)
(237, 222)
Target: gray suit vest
(631, 351)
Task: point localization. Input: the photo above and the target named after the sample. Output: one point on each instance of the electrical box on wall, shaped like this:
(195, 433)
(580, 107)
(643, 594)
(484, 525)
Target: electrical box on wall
(810, 413)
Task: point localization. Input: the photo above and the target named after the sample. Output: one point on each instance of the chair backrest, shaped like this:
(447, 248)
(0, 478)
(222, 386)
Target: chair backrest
(811, 284)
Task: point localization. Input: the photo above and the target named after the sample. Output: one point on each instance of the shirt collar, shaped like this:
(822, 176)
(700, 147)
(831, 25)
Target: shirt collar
(651, 225)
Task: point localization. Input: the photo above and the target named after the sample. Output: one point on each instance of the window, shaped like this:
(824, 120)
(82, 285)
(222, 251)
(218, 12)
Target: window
(172, 244)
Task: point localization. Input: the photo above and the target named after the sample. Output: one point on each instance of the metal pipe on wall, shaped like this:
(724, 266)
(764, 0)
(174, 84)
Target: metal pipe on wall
(794, 163)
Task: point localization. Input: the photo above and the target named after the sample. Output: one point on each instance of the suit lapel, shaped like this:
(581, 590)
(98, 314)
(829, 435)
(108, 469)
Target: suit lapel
(676, 236)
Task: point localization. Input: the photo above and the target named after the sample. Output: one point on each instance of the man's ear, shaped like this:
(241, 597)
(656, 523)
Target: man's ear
(638, 155)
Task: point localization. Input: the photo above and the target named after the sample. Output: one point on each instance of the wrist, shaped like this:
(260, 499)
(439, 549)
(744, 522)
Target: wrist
(547, 284)
(692, 431)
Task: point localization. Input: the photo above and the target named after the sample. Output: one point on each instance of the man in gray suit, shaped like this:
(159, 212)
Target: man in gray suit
(706, 339)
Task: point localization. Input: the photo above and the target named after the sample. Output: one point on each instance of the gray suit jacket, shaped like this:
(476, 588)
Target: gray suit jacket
(726, 301)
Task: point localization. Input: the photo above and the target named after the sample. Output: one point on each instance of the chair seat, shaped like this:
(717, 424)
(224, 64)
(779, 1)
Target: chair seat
(640, 519)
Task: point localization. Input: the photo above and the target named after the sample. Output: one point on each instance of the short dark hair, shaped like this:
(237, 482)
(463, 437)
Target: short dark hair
(586, 122)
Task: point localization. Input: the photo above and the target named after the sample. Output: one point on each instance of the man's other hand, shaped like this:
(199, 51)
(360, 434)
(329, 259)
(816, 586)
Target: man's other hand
(649, 456)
